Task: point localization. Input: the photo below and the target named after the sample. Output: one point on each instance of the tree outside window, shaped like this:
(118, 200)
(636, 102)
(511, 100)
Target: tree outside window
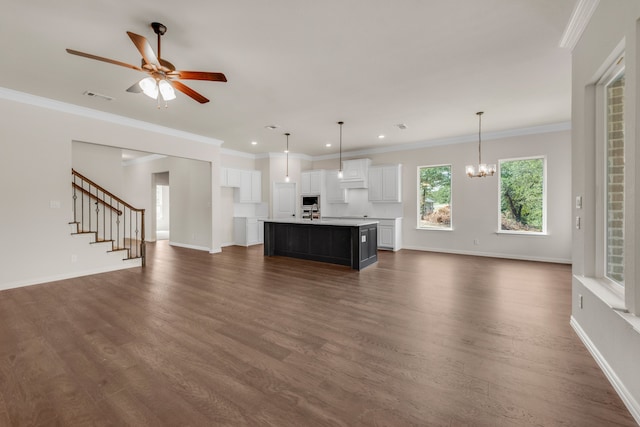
(522, 205)
(434, 197)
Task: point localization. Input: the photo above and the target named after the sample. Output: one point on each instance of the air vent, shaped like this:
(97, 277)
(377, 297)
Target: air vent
(98, 95)
(401, 126)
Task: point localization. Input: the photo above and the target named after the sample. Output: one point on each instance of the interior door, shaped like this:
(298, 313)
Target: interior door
(284, 200)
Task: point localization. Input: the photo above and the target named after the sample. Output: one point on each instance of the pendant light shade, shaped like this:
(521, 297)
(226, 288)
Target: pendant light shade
(482, 169)
(340, 161)
(286, 178)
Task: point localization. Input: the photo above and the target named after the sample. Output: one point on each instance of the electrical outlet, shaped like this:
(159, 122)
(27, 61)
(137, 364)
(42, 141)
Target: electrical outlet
(577, 223)
(74, 258)
(476, 241)
(580, 301)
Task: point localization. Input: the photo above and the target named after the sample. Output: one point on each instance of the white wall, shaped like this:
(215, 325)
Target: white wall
(35, 169)
(613, 337)
(475, 201)
(190, 195)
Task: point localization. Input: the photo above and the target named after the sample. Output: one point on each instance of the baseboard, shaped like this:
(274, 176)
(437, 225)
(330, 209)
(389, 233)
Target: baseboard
(627, 398)
(490, 254)
(72, 275)
(184, 245)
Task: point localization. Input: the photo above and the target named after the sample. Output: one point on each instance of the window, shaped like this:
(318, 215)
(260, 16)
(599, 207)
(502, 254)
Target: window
(434, 197)
(522, 195)
(614, 179)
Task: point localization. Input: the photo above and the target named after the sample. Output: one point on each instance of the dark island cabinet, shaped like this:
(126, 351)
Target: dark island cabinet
(352, 245)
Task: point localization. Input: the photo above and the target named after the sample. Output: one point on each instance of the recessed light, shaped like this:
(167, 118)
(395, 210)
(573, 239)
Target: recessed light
(328, 144)
(254, 142)
(380, 136)
(401, 126)
(271, 127)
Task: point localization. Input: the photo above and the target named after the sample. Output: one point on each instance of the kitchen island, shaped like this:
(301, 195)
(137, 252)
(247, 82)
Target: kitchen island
(344, 242)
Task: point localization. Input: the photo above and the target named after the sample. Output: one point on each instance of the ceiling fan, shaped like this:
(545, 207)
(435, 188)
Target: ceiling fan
(163, 76)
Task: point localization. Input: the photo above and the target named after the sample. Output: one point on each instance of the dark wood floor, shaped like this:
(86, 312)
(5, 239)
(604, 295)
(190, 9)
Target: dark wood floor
(238, 339)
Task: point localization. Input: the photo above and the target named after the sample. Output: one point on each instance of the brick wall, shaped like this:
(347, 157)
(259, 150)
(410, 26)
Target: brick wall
(615, 180)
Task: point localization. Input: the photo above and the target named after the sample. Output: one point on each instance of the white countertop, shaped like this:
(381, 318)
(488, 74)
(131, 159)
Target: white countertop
(335, 222)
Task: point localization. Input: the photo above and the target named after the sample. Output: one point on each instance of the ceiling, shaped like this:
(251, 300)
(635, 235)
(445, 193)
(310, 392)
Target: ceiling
(303, 65)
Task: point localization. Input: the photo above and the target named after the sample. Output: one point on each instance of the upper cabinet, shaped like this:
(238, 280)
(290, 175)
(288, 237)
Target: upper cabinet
(248, 182)
(385, 183)
(355, 173)
(250, 187)
(311, 182)
(335, 193)
(230, 177)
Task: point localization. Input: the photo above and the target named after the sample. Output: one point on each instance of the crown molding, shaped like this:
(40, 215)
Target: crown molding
(38, 101)
(235, 153)
(582, 13)
(486, 136)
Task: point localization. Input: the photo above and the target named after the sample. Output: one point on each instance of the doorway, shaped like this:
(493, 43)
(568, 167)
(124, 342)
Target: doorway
(162, 195)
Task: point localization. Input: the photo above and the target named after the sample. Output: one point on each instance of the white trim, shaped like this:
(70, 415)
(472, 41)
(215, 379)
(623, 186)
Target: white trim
(582, 13)
(72, 275)
(627, 398)
(489, 254)
(486, 136)
(282, 155)
(65, 107)
(184, 245)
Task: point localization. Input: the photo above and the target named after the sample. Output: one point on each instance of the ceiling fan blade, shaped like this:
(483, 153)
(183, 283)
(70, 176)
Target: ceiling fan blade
(135, 88)
(188, 91)
(201, 75)
(99, 58)
(144, 48)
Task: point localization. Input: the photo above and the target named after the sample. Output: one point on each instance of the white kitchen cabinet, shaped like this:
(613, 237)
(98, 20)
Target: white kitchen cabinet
(385, 183)
(355, 173)
(230, 177)
(390, 234)
(260, 230)
(334, 193)
(246, 231)
(311, 182)
(250, 187)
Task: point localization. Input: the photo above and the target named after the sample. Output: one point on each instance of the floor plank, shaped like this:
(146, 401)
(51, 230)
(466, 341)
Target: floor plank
(237, 338)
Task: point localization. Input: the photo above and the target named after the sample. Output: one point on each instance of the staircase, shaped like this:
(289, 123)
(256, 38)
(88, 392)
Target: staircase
(107, 219)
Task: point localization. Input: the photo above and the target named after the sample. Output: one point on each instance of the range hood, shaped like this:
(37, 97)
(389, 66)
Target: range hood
(355, 173)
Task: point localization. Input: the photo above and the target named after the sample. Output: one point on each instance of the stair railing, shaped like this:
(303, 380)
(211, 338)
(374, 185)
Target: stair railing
(96, 210)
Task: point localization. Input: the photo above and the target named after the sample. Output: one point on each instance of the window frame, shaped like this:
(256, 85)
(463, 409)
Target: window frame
(418, 196)
(544, 231)
(612, 73)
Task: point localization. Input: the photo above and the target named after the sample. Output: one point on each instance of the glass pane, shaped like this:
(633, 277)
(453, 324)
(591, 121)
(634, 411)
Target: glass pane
(522, 195)
(434, 195)
(615, 181)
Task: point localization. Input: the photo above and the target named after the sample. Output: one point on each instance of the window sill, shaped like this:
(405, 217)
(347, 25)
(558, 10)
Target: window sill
(522, 233)
(434, 228)
(612, 296)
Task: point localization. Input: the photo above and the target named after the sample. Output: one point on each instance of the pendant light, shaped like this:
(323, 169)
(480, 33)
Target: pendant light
(340, 164)
(286, 178)
(483, 169)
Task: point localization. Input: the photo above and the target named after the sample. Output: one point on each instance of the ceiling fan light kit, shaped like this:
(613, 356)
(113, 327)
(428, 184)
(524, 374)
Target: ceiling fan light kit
(163, 77)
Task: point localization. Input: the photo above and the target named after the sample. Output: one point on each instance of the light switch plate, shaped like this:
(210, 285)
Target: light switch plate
(578, 202)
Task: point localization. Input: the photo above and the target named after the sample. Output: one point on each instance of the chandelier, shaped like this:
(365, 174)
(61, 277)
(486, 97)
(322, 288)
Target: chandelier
(483, 169)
